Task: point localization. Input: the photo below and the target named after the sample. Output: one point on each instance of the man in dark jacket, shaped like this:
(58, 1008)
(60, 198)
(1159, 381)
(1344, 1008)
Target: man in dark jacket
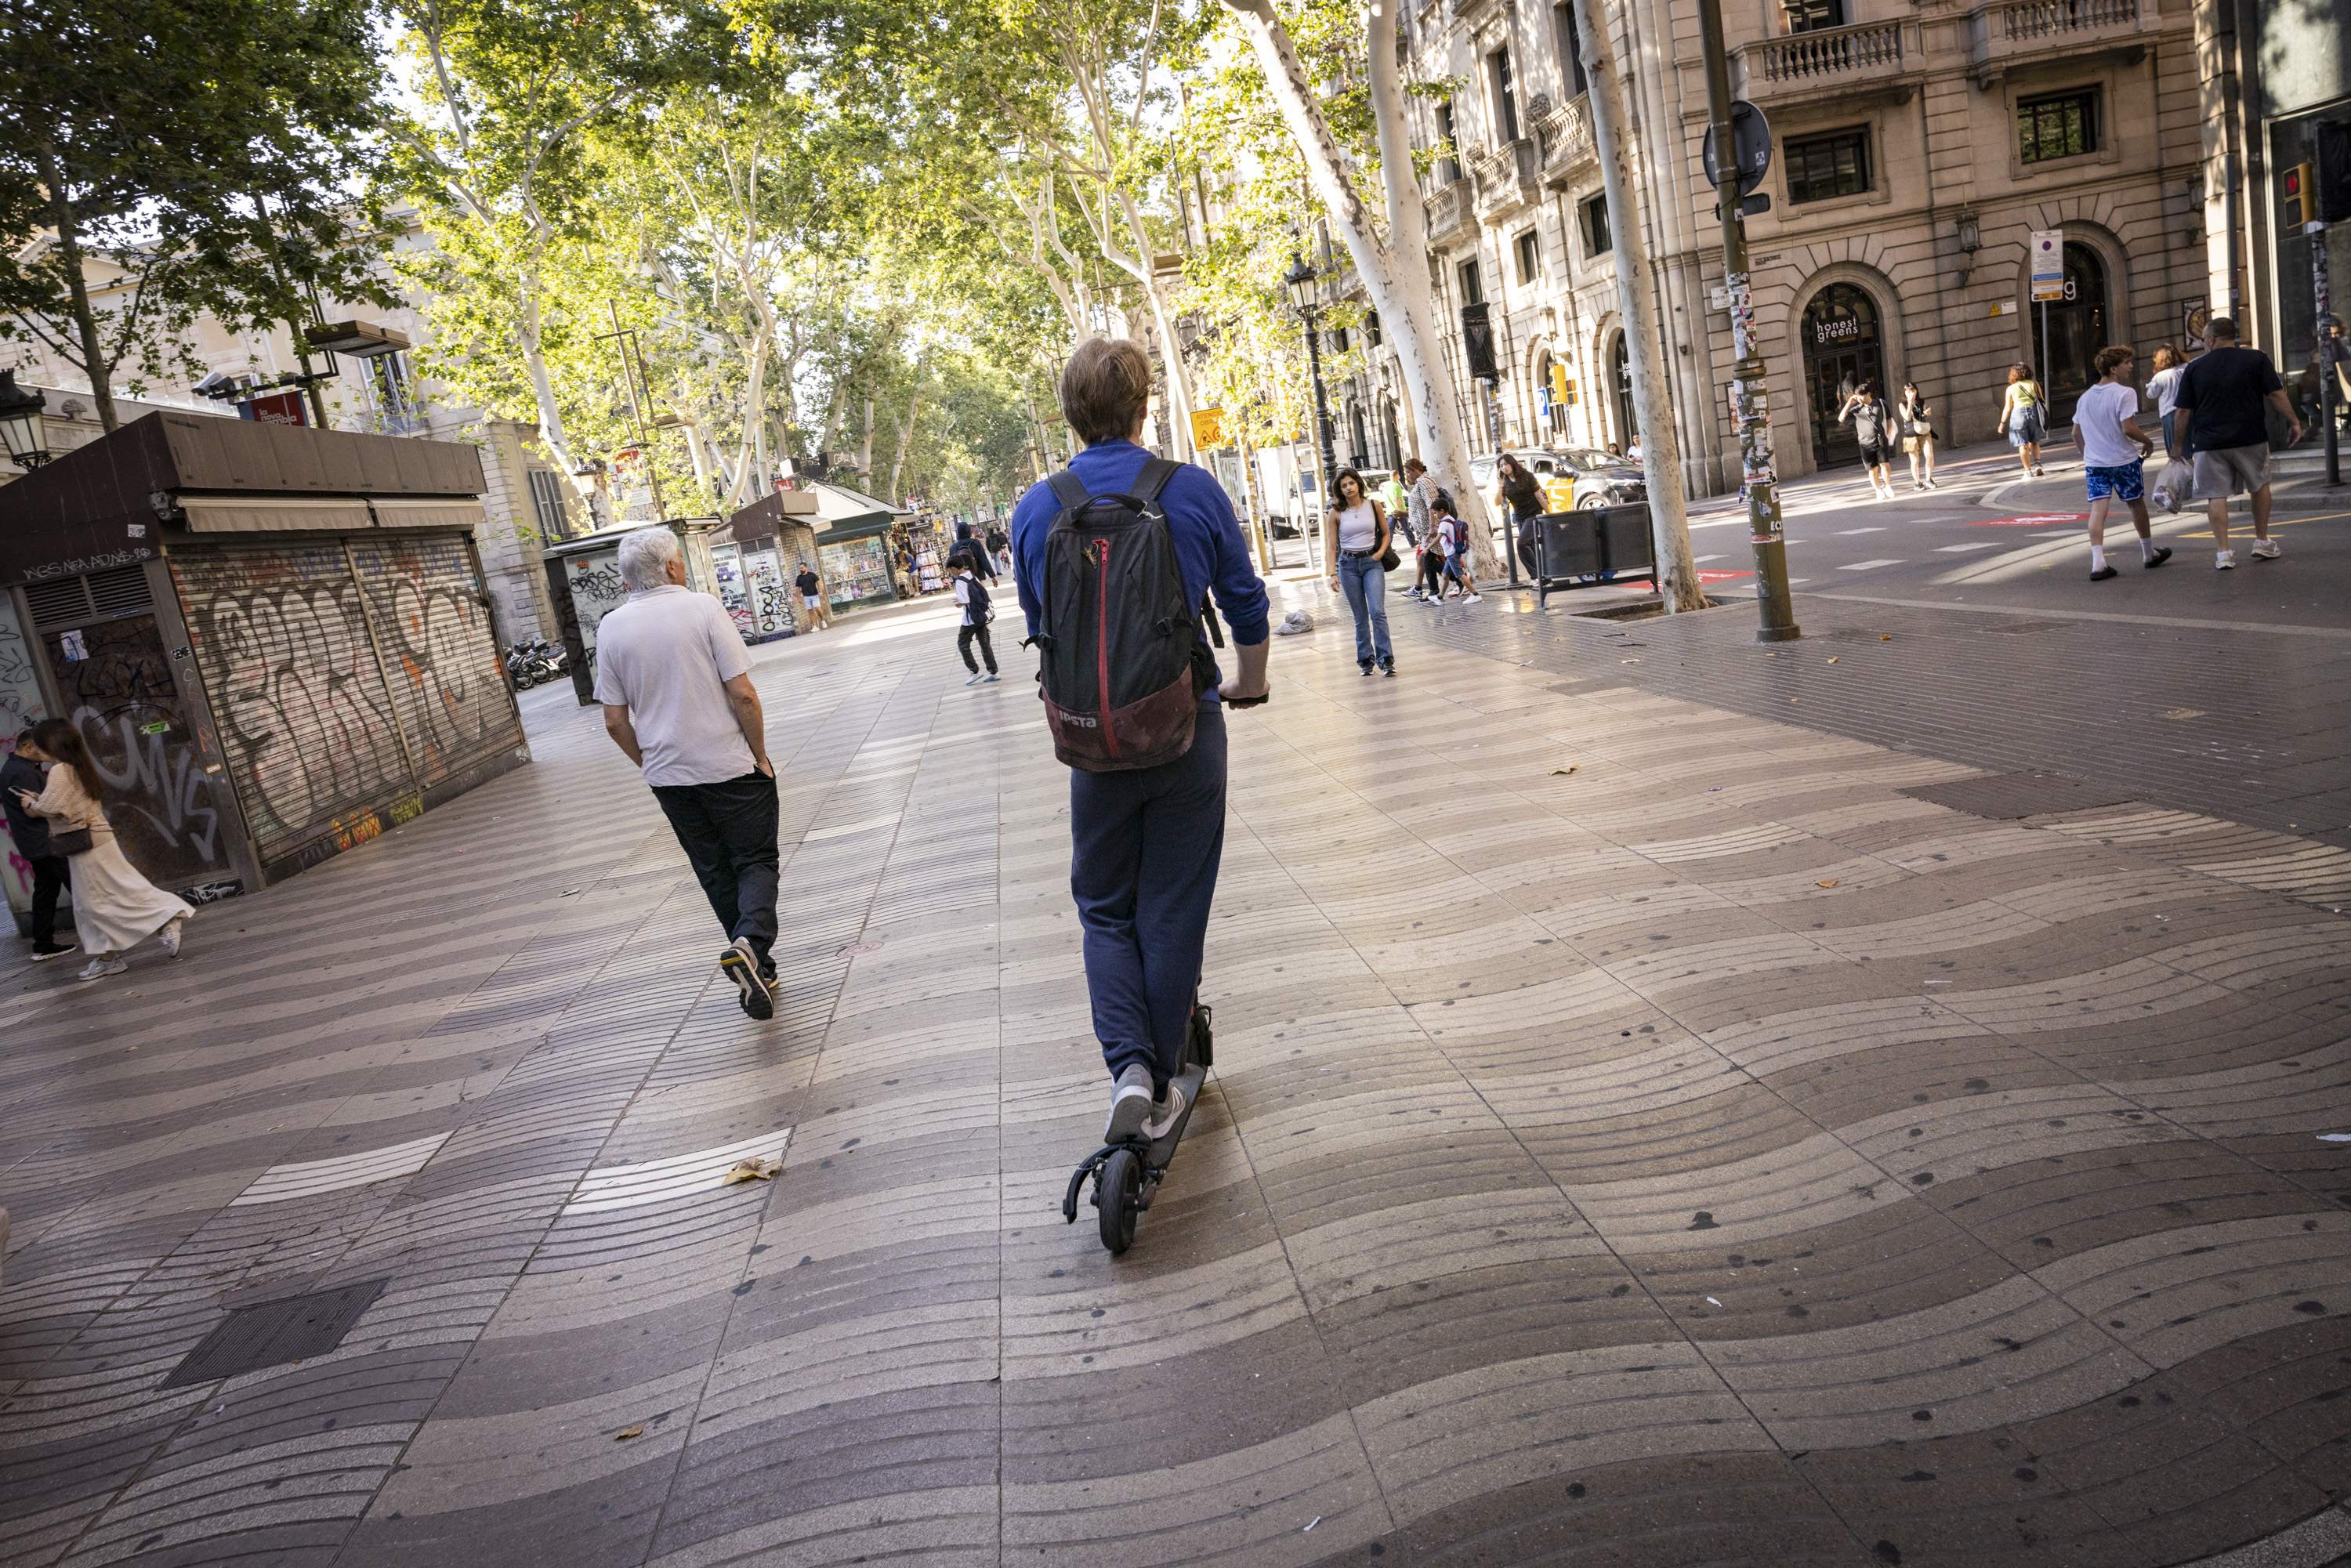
(31, 833)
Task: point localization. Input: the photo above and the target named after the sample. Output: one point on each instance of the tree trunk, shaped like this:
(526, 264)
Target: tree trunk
(865, 447)
(1636, 299)
(906, 439)
(93, 344)
(1394, 273)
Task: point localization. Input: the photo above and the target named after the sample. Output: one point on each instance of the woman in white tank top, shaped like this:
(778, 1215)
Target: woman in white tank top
(1354, 540)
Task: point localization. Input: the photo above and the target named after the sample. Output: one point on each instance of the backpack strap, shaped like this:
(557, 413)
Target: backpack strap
(1069, 490)
(1154, 478)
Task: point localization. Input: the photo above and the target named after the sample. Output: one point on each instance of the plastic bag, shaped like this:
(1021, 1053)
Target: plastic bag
(2173, 486)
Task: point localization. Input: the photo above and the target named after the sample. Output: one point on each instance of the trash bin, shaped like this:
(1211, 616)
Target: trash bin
(1575, 549)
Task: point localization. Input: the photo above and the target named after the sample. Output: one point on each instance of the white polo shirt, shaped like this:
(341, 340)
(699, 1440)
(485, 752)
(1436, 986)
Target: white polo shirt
(666, 656)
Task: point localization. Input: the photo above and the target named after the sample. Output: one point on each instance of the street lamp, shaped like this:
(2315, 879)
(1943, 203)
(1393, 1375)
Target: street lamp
(1299, 281)
(20, 422)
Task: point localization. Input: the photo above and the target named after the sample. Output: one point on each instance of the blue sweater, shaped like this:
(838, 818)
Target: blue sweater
(1208, 540)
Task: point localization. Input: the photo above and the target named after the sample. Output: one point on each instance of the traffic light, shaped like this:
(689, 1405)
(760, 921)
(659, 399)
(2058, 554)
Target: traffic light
(2334, 148)
(2299, 186)
(1562, 390)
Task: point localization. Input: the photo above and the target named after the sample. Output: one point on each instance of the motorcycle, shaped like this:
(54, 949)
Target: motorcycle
(528, 666)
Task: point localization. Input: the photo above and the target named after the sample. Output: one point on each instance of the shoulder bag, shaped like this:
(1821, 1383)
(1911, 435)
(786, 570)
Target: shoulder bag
(1389, 559)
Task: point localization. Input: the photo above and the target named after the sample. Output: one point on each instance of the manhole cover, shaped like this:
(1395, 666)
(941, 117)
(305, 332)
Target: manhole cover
(2005, 797)
(272, 1334)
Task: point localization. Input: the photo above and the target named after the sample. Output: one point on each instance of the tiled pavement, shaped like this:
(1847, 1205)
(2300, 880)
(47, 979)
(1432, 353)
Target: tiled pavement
(1643, 1133)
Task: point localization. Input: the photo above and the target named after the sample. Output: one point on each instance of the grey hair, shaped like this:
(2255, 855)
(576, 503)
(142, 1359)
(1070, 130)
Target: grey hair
(645, 555)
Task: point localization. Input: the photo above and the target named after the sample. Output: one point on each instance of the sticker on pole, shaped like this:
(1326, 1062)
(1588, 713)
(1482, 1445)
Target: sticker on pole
(2030, 520)
(2048, 264)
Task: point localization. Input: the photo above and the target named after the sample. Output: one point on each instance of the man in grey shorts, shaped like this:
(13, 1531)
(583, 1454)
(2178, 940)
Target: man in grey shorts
(2222, 394)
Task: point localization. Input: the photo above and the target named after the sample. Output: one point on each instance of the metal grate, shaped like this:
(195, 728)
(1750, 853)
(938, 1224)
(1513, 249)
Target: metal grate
(122, 591)
(2007, 797)
(272, 1334)
(64, 602)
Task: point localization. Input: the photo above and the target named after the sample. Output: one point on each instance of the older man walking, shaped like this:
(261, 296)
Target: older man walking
(2221, 411)
(675, 680)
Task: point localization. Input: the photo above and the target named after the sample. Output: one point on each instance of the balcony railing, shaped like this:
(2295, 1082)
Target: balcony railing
(1563, 137)
(2024, 21)
(1828, 58)
(2010, 30)
(1504, 177)
(1449, 211)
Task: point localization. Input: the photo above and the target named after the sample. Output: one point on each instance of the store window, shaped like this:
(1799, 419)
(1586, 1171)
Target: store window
(2062, 125)
(1449, 167)
(1529, 250)
(857, 571)
(1592, 218)
(1822, 167)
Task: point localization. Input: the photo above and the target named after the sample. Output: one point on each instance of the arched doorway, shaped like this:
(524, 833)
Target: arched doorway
(1843, 348)
(1388, 429)
(2076, 331)
(1620, 380)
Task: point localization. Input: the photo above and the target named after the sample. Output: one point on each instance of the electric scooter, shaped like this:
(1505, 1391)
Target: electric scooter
(1127, 1174)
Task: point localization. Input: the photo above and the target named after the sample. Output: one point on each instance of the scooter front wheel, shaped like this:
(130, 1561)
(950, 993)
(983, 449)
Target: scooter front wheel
(1118, 1189)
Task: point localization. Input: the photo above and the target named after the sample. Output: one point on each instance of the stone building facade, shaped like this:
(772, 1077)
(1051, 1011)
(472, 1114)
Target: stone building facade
(1917, 144)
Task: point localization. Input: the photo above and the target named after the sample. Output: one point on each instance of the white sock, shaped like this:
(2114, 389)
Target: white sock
(2146, 550)
(2097, 558)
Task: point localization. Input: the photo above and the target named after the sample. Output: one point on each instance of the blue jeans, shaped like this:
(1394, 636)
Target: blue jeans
(1367, 588)
(1145, 849)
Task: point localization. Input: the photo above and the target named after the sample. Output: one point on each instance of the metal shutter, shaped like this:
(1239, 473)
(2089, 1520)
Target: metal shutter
(305, 722)
(439, 652)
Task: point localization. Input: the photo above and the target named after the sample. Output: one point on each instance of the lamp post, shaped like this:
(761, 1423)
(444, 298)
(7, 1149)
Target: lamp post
(1299, 281)
(20, 422)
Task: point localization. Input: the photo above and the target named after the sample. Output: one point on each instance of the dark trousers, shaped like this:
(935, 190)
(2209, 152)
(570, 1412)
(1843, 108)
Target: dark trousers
(728, 832)
(1528, 556)
(50, 876)
(966, 638)
(1432, 572)
(1145, 848)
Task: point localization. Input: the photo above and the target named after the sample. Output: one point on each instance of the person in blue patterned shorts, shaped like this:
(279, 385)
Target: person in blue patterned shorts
(2113, 457)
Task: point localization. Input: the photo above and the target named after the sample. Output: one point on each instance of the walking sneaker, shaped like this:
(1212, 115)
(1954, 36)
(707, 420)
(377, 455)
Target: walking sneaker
(99, 968)
(54, 950)
(741, 965)
(172, 935)
(974, 680)
(992, 678)
(1130, 1104)
(2162, 553)
(1164, 1113)
(1471, 597)
(2224, 559)
(2103, 574)
(1388, 670)
(2265, 549)
(1368, 667)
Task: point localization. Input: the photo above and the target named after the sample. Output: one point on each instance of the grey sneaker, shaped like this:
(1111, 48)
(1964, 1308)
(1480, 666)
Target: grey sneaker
(974, 680)
(739, 964)
(2265, 549)
(99, 968)
(1130, 1105)
(1166, 1113)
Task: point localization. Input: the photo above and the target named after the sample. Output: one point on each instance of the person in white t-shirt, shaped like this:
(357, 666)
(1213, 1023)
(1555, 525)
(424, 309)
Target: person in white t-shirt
(2113, 457)
(675, 682)
(971, 599)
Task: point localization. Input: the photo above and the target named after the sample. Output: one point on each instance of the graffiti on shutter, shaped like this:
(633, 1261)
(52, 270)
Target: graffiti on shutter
(439, 652)
(305, 722)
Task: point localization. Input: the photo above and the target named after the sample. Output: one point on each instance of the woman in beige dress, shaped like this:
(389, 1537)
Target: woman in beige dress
(115, 908)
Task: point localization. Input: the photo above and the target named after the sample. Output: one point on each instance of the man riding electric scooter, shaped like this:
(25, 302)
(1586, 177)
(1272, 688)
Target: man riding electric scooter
(1116, 557)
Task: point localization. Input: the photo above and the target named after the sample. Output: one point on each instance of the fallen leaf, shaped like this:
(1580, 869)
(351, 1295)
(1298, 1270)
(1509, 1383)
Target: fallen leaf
(1832, 659)
(759, 1167)
(1831, 882)
(1886, 636)
(1563, 772)
(625, 1432)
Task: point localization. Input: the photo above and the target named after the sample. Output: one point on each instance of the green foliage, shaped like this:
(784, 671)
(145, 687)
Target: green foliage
(188, 157)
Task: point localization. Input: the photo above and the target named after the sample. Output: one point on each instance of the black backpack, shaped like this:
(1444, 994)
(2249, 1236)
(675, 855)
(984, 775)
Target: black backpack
(1123, 660)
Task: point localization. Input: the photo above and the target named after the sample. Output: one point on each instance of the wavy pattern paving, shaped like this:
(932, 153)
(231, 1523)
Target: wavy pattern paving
(1713, 1155)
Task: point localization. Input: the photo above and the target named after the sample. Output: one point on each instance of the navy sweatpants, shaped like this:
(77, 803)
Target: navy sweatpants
(1145, 848)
